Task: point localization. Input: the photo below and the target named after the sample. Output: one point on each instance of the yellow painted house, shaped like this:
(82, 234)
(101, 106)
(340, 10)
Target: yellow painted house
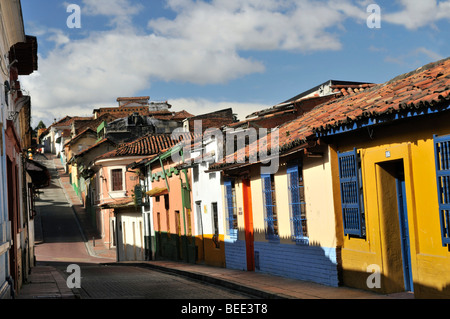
(374, 166)
(76, 145)
(390, 157)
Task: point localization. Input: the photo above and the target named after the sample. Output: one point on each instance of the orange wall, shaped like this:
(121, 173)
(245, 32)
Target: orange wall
(175, 203)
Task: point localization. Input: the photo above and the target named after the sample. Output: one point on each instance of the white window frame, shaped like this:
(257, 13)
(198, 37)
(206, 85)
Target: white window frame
(119, 193)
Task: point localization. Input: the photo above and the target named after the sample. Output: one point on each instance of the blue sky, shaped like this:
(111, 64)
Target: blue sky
(202, 56)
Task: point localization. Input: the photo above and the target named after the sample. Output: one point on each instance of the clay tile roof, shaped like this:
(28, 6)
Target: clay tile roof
(147, 145)
(426, 87)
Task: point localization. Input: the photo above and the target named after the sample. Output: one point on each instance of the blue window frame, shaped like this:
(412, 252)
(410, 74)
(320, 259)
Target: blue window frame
(442, 159)
(297, 205)
(351, 193)
(231, 208)
(271, 221)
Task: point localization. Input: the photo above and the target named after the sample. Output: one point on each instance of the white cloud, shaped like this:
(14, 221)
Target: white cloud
(201, 45)
(255, 25)
(419, 13)
(120, 11)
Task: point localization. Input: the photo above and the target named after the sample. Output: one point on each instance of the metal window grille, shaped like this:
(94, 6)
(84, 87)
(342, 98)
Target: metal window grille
(351, 193)
(231, 208)
(297, 204)
(442, 159)
(270, 219)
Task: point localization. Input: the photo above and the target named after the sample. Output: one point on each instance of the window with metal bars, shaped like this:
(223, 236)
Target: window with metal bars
(231, 208)
(297, 204)
(351, 193)
(442, 159)
(270, 207)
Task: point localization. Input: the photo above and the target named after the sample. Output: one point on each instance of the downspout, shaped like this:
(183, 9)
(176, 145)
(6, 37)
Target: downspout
(183, 200)
(164, 173)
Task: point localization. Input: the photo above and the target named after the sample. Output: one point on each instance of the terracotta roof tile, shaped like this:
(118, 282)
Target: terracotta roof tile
(147, 145)
(425, 87)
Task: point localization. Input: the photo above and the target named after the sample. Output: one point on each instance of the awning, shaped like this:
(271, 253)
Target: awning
(39, 174)
(158, 191)
(119, 203)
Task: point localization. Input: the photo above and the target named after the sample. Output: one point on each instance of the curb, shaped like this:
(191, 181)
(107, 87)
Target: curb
(208, 279)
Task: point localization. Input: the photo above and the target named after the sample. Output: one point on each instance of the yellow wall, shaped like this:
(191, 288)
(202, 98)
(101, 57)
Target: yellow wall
(319, 199)
(412, 143)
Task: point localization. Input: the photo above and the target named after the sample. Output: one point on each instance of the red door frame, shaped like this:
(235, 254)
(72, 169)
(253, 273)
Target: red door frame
(248, 223)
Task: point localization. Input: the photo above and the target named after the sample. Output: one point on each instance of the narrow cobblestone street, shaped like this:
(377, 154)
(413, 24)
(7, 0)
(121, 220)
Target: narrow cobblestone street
(61, 241)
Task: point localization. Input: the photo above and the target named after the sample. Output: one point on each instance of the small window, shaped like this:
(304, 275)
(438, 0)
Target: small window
(351, 193)
(442, 160)
(215, 219)
(270, 207)
(297, 205)
(117, 179)
(231, 208)
(215, 224)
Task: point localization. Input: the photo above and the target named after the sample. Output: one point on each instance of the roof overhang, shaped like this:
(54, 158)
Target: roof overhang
(39, 174)
(379, 120)
(25, 55)
(158, 191)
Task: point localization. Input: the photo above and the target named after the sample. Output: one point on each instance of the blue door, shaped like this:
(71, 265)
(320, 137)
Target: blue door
(404, 231)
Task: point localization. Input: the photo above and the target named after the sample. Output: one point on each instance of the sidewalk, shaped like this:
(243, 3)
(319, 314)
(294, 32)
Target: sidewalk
(46, 282)
(262, 285)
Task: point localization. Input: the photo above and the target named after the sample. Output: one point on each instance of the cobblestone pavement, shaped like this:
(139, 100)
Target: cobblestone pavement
(128, 282)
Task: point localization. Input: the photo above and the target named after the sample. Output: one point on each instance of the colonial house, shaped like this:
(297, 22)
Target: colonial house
(56, 135)
(173, 218)
(390, 165)
(83, 161)
(49, 136)
(364, 178)
(76, 145)
(19, 58)
(207, 206)
(280, 217)
(119, 215)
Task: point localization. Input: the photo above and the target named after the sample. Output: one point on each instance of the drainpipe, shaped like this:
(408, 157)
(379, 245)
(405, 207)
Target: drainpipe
(164, 173)
(183, 200)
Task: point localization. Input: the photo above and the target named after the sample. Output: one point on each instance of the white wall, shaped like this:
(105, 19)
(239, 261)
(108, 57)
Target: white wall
(207, 189)
(130, 235)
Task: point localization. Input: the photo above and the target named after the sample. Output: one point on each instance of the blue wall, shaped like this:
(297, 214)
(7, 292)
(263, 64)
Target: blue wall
(309, 263)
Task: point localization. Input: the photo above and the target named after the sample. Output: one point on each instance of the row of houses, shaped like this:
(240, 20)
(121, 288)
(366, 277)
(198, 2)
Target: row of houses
(20, 176)
(339, 185)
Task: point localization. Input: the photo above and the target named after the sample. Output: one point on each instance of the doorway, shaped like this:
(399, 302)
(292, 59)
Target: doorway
(394, 226)
(404, 229)
(248, 224)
